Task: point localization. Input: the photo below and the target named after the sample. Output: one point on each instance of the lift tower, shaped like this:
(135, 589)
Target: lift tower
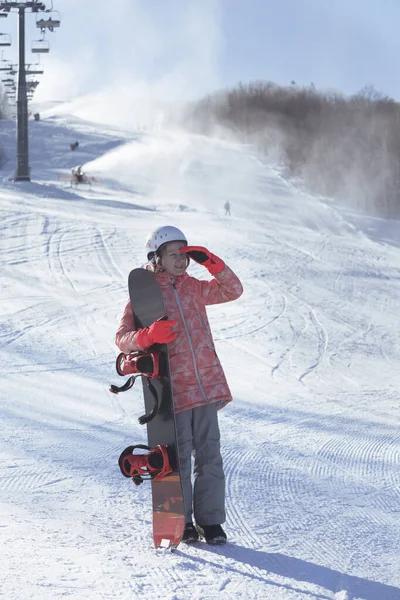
(23, 170)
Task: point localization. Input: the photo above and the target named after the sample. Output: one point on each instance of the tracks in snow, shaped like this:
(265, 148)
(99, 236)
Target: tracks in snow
(71, 274)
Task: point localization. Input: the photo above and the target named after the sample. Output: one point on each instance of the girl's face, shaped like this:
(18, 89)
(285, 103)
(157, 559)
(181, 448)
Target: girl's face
(174, 262)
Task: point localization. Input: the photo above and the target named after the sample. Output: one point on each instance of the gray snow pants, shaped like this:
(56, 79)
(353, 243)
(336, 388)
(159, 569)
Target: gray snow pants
(197, 430)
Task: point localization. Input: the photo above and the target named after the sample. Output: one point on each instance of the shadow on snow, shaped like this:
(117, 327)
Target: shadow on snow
(301, 571)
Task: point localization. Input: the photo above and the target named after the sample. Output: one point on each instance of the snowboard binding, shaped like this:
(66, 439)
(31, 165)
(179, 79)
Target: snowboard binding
(141, 364)
(140, 467)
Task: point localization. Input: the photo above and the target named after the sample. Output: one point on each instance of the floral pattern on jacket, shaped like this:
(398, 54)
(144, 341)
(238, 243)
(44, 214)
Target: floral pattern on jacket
(196, 373)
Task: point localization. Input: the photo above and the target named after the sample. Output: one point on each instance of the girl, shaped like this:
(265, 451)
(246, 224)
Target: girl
(198, 382)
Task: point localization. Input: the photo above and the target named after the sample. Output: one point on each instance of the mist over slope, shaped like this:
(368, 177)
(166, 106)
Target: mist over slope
(340, 146)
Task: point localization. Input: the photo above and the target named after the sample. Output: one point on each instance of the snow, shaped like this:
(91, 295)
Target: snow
(311, 351)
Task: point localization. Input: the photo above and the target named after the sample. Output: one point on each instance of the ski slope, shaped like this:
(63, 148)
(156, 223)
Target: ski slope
(311, 351)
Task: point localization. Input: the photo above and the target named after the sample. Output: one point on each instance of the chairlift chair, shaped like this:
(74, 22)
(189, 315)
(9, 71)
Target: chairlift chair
(34, 72)
(40, 47)
(36, 6)
(12, 69)
(34, 68)
(49, 24)
(5, 39)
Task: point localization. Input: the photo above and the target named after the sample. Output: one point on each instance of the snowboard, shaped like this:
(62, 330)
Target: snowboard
(167, 497)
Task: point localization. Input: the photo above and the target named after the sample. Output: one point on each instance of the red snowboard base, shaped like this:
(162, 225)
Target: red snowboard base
(168, 512)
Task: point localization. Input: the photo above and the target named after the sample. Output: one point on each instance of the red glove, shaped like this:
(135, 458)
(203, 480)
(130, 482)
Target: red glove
(204, 257)
(159, 332)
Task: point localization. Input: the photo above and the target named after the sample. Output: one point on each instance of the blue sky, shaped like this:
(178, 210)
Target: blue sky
(343, 44)
(186, 48)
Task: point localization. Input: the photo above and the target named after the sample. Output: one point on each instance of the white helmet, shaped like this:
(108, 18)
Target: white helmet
(161, 236)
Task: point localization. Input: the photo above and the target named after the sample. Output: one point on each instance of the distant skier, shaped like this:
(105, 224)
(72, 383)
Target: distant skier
(227, 208)
(74, 145)
(198, 380)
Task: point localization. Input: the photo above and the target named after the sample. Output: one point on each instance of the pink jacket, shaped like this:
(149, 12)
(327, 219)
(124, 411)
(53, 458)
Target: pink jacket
(197, 376)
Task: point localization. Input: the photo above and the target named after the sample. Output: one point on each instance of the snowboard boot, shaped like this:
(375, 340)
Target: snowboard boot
(213, 534)
(190, 535)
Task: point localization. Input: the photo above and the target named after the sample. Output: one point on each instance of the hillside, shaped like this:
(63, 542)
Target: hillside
(311, 440)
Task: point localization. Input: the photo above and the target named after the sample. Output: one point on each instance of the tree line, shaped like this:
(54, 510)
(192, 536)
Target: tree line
(346, 147)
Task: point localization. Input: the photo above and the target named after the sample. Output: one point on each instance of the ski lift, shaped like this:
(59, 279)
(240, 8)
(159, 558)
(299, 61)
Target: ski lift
(40, 47)
(29, 71)
(36, 5)
(48, 23)
(5, 39)
(11, 69)
(50, 10)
